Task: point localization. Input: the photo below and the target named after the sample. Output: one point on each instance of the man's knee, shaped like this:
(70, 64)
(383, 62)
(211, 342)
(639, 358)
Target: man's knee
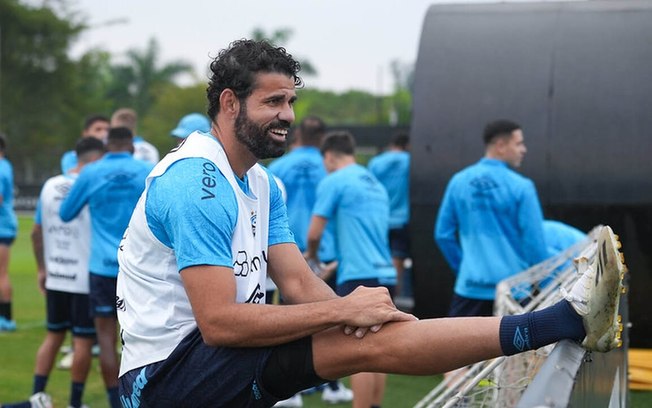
(290, 369)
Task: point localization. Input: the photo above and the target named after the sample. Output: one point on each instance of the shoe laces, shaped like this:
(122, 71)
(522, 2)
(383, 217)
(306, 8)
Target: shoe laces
(578, 294)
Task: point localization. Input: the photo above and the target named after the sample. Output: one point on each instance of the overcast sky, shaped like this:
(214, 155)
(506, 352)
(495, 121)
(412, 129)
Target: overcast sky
(350, 42)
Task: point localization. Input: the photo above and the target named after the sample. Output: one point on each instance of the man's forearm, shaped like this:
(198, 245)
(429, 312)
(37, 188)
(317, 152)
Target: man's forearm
(37, 246)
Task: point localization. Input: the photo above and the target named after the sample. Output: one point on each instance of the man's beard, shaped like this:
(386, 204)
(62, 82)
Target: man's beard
(255, 137)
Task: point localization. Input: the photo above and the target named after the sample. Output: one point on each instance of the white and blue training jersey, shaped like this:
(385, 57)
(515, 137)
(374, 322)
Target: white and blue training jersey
(194, 211)
(66, 246)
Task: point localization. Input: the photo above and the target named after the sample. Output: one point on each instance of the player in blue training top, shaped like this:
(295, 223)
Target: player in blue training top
(96, 126)
(392, 169)
(209, 228)
(110, 187)
(560, 236)
(490, 223)
(8, 230)
(356, 203)
(301, 170)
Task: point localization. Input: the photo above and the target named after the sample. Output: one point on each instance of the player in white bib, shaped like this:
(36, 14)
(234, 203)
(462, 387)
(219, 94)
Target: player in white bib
(143, 150)
(62, 251)
(211, 225)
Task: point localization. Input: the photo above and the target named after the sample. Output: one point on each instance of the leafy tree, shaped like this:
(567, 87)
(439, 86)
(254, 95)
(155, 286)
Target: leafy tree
(39, 99)
(172, 104)
(354, 107)
(137, 82)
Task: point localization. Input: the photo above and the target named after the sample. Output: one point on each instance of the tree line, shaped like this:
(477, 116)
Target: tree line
(45, 94)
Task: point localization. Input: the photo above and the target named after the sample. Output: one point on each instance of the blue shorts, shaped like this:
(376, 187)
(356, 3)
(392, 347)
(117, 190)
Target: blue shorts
(399, 242)
(464, 307)
(102, 297)
(69, 311)
(7, 241)
(198, 375)
(347, 287)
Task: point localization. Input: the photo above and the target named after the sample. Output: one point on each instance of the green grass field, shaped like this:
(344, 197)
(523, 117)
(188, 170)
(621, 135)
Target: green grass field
(17, 349)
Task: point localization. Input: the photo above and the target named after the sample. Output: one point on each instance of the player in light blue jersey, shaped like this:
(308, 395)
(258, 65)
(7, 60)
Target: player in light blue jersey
(560, 236)
(301, 170)
(96, 126)
(8, 230)
(392, 169)
(490, 223)
(356, 203)
(110, 187)
(188, 124)
(191, 289)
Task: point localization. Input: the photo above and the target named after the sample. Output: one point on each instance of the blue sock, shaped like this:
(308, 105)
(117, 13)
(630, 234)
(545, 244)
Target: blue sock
(114, 397)
(334, 385)
(40, 381)
(76, 393)
(539, 328)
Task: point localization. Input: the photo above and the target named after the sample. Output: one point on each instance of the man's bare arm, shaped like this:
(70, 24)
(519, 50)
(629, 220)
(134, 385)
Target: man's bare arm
(315, 232)
(37, 247)
(223, 322)
(294, 278)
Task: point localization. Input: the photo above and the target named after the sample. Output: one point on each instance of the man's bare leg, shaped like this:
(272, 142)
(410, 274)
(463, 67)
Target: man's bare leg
(47, 352)
(589, 312)
(107, 337)
(416, 348)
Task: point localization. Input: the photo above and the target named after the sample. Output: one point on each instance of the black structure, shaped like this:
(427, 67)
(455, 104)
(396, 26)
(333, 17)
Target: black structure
(578, 77)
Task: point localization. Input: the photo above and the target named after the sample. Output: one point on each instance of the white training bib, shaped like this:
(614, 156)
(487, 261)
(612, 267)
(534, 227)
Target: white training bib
(153, 308)
(66, 245)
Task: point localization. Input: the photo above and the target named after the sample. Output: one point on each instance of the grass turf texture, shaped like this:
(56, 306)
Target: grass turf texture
(18, 349)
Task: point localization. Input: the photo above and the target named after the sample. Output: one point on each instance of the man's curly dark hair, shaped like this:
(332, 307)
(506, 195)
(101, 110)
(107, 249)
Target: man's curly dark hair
(236, 66)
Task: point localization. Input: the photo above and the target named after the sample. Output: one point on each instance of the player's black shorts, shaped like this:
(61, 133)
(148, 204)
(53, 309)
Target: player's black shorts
(347, 287)
(69, 311)
(102, 297)
(464, 307)
(399, 242)
(7, 241)
(198, 375)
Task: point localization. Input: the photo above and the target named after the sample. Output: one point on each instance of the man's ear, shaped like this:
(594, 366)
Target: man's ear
(229, 103)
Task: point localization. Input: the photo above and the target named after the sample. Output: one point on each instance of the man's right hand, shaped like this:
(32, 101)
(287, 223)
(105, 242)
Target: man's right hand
(370, 308)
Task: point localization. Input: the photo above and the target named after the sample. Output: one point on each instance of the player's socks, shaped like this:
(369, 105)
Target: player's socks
(40, 382)
(532, 330)
(76, 392)
(334, 385)
(5, 310)
(114, 397)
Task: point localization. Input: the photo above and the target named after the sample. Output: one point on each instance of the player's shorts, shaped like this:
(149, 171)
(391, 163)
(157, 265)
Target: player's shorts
(69, 311)
(464, 307)
(399, 242)
(102, 296)
(347, 287)
(7, 241)
(198, 375)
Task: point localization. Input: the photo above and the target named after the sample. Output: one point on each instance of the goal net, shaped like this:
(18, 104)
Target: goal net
(501, 382)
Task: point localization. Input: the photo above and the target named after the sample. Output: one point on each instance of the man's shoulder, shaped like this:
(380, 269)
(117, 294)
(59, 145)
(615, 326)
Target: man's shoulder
(58, 179)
